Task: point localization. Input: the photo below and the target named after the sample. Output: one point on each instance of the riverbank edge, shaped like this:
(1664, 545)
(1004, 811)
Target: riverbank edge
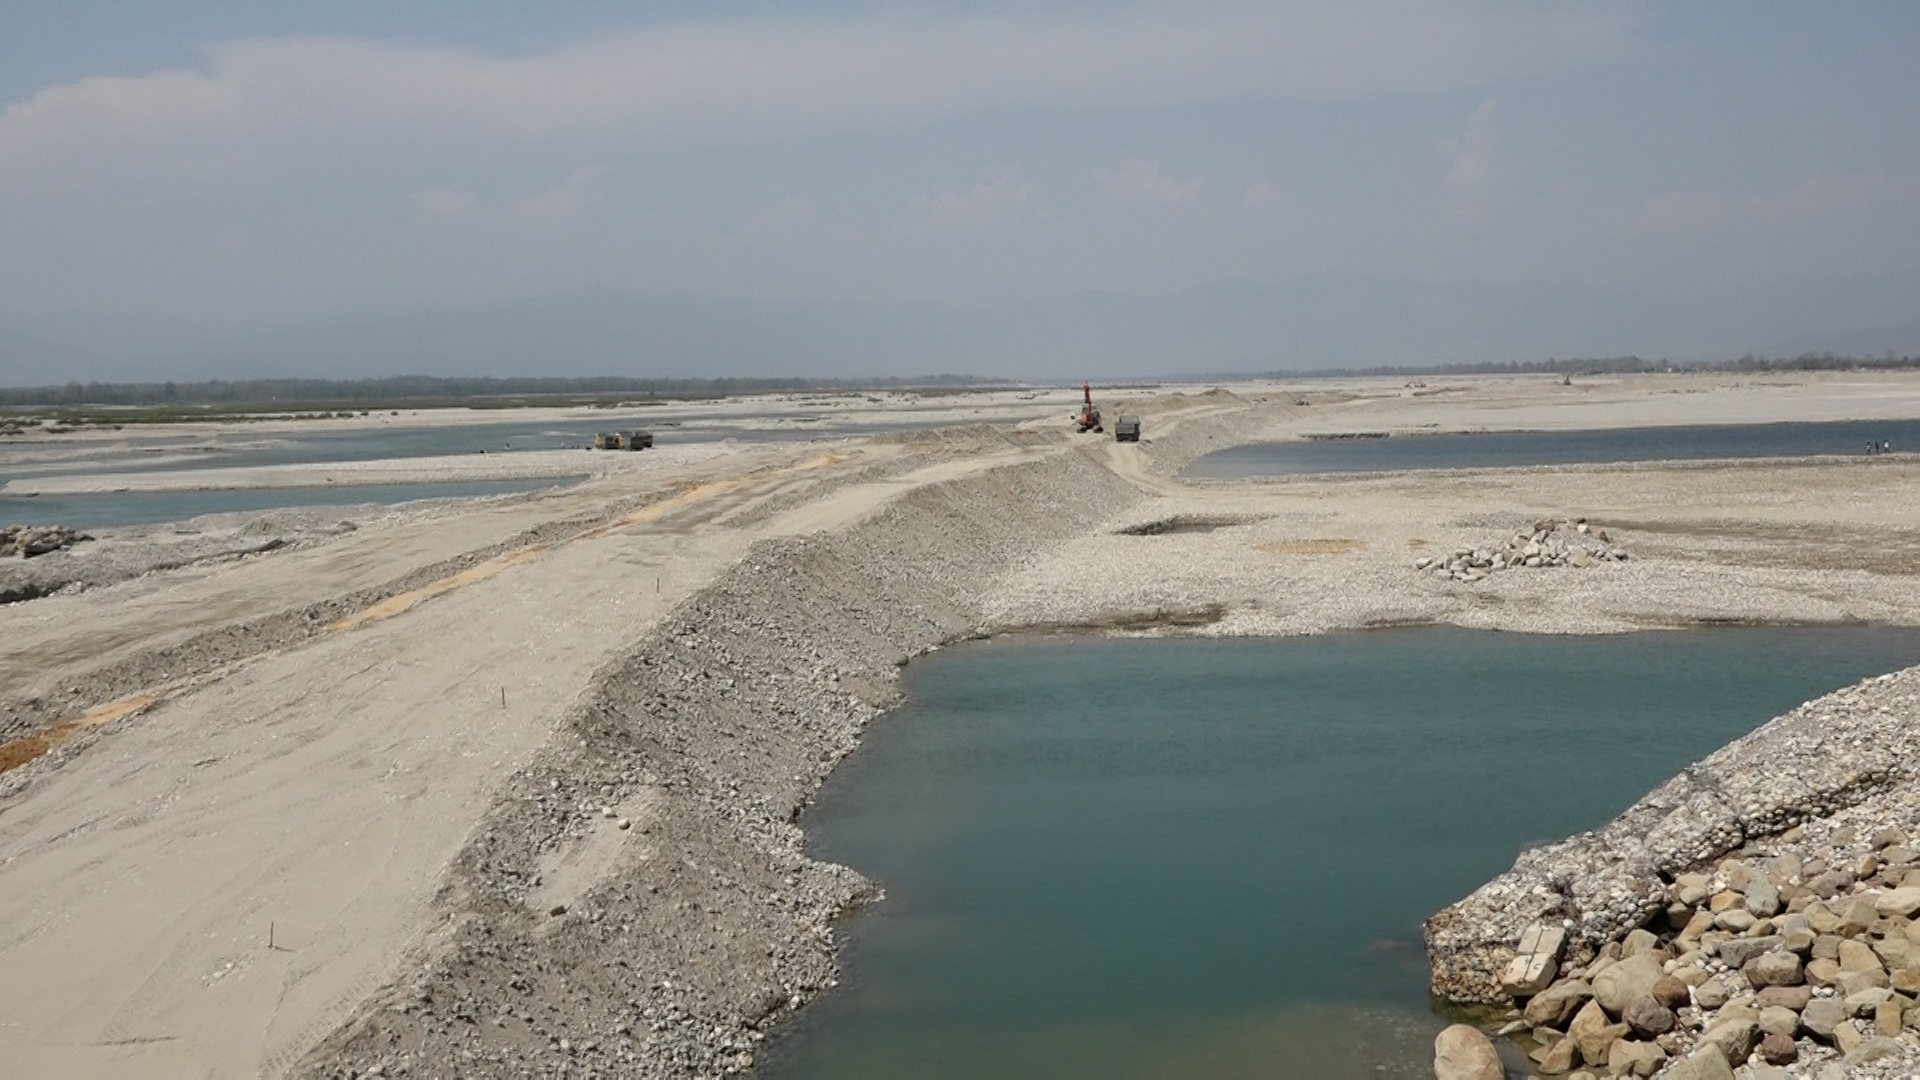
(715, 926)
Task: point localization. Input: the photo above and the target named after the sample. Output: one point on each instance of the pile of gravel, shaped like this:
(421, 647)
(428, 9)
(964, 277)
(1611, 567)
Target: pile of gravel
(1764, 901)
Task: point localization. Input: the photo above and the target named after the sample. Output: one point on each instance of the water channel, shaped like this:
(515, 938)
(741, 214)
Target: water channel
(1508, 449)
(1158, 858)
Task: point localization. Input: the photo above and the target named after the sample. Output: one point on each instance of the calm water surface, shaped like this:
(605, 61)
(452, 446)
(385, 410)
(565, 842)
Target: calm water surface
(148, 507)
(1158, 858)
(1503, 449)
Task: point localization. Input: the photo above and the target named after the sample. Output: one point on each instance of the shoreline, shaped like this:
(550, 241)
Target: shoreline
(706, 732)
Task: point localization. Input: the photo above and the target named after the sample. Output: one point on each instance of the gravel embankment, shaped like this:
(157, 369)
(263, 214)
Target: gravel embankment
(680, 775)
(1763, 901)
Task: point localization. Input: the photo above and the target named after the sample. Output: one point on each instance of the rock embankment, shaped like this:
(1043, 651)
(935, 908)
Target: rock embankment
(1764, 906)
(681, 774)
(1549, 544)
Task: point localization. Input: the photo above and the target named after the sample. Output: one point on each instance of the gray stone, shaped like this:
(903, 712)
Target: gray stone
(1866, 1001)
(1779, 968)
(1735, 1038)
(1775, 1019)
(1627, 1057)
(1632, 977)
(1463, 1052)
(1822, 1015)
(1637, 942)
(1528, 973)
(1647, 1017)
(1784, 997)
(1903, 902)
(1852, 982)
(1593, 1032)
(1763, 899)
(1554, 1006)
(1708, 1062)
(1737, 952)
(1711, 994)
(1878, 1048)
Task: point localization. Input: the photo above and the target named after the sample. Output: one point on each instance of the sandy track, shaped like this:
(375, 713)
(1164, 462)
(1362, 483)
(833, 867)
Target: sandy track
(317, 794)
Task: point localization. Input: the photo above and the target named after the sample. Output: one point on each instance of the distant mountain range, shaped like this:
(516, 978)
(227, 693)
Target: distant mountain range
(1315, 323)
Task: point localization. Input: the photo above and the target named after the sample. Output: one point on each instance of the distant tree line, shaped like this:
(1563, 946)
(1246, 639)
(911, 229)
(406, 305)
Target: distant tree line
(419, 390)
(1622, 365)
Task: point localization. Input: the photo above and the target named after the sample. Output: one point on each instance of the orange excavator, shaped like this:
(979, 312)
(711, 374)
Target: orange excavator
(1089, 418)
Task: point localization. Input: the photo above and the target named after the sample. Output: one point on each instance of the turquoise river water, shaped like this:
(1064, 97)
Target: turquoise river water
(1159, 858)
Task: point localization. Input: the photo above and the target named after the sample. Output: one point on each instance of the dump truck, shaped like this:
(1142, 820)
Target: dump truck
(607, 440)
(639, 440)
(1127, 428)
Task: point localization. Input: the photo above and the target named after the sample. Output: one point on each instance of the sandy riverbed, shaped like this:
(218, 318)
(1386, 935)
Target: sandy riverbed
(503, 773)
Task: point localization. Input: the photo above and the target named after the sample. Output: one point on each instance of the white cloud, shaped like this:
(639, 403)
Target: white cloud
(982, 203)
(763, 79)
(443, 203)
(1138, 178)
(559, 202)
(1475, 156)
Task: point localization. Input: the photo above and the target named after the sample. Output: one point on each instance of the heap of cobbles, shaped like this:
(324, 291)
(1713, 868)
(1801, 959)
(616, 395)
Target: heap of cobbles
(1572, 543)
(27, 541)
(1800, 961)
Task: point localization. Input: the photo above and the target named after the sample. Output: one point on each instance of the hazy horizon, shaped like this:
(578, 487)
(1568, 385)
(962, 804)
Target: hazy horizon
(199, 190)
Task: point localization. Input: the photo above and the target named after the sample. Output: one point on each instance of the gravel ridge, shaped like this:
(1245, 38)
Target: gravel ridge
(689, 761)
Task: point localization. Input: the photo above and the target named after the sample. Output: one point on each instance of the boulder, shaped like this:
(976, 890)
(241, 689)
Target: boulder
(1648, 1018)
(1463, 1052)
(1784, 997)
(1763, 899)
(1527, 974)
(1904, 902)
(1594, 1033)
(1708, 1062)
(1632, 977)
(1711, 994)
(1779, 968)
(1847, 1036)
(1777, 1020)
(1871, 1050)
(1637, 942)
(1778, 1049)
(1852, 982)
(1886, 1017)
(1858, 956)
(1672, 992)
(1738, 951)
(1864, 1002)
(1626, 1057)
(1735, 1038)
(1558, 1058)
(1822, 1016)
(1555, 1005)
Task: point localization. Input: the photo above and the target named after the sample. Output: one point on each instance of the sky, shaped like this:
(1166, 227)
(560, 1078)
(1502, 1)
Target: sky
(189, 184)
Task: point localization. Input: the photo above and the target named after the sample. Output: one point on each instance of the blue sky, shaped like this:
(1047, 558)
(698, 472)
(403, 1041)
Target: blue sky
(247, 166)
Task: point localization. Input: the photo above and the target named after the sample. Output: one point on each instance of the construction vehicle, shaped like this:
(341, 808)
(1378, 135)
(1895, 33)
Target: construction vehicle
(1127, 428)
(639, 440)
(607, 440)
(1089, 418)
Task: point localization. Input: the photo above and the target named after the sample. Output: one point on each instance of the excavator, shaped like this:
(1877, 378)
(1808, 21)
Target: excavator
(1089, 418)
